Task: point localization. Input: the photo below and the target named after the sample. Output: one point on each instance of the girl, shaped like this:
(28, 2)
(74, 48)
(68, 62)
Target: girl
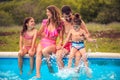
(51, 28)
(77, 35)
(27, 42)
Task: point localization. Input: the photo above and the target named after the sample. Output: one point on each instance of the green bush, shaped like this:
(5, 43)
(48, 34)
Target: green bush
(6, 19)
(102, 11)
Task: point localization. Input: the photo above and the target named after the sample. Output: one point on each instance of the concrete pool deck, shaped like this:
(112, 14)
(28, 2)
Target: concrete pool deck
(90, 55)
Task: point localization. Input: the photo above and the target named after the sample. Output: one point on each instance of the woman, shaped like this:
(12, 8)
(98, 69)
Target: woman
(51, 28)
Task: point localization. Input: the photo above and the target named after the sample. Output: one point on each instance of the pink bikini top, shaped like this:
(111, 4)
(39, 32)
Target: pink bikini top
(28, 37)
(51, 34)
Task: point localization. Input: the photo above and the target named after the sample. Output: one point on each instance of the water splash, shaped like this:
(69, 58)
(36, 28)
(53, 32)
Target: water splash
(66, 72)
(75, 72)
(9, 75)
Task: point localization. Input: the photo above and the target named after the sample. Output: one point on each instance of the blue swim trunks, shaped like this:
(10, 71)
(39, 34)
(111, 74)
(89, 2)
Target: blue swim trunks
(78, 45)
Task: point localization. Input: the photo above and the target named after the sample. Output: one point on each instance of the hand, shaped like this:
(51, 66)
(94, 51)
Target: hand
(31, 50)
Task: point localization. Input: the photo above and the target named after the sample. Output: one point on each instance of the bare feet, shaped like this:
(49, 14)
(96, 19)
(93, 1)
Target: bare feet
(88, 72)
(20, 72)
(30, 72)
(50, 67)
(37, 75)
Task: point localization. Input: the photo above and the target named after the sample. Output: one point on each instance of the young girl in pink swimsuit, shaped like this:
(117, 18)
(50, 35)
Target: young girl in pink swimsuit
(27, 42)
(51, 28)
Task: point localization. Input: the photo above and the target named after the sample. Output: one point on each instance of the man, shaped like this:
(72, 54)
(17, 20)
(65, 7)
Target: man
(67, 18)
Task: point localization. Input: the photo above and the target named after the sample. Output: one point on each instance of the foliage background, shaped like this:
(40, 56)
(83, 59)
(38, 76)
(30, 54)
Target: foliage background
(101, 11)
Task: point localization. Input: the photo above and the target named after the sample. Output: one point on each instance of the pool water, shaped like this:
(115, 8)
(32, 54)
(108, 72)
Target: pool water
(100, 69)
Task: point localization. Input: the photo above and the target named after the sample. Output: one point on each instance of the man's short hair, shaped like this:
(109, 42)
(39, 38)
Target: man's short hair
(66, 10)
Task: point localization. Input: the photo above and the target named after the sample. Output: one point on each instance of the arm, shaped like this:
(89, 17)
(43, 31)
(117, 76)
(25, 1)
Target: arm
(88, 38)
(21, 42)
(40, 30)
(91, 40)
(34, 39)
(68, 37)
(83, 26)
(61, 34)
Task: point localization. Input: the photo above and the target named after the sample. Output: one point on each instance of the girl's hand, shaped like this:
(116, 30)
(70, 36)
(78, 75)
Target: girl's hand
(31, 50)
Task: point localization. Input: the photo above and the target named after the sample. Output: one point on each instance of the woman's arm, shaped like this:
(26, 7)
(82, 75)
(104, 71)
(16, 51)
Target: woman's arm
(40, 31)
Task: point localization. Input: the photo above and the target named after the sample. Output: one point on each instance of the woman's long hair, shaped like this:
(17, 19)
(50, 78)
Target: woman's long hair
(56, 16)
(24, 29)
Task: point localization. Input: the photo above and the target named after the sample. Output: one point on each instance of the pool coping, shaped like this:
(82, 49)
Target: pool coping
(90, 55)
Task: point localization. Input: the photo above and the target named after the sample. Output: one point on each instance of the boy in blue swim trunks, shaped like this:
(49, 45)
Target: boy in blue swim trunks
(77, 35)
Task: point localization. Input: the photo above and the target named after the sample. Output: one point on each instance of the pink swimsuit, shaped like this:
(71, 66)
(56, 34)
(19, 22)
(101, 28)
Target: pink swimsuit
(50, 36)
(26, 36)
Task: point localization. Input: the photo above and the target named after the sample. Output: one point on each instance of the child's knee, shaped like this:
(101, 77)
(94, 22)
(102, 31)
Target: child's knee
(20, 54)
(31, 54)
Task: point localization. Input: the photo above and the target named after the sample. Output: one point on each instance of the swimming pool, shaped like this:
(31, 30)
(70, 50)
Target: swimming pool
(102, 69)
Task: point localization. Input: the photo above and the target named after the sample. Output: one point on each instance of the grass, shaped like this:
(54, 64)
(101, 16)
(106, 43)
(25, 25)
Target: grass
(93, 27)
(104, 45)
(106, 41)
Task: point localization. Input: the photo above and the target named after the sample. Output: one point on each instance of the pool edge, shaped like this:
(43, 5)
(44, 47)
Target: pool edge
(90, 55)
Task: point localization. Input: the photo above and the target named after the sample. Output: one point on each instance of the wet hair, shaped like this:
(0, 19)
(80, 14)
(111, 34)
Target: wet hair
(77, 19)
(56, 16)
(24, 29)
(66, 10)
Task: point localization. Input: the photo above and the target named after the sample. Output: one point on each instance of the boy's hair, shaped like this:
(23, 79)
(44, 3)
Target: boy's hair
(77, 19)
(66, 10)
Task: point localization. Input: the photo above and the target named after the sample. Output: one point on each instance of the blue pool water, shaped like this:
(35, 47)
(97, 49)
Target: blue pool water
(100, 69)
